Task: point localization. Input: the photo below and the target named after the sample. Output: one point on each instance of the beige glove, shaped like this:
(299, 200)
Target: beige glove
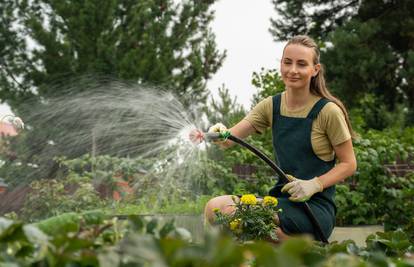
(217, 128)
(302, 190)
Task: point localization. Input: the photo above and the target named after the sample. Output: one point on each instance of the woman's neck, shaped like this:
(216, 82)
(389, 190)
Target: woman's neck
(296, 98)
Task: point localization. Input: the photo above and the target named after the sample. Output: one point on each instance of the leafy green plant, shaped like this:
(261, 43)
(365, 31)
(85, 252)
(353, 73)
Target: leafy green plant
(395, 243)
(91, 239)
(374, 195)
(50, 197)
(353, 208)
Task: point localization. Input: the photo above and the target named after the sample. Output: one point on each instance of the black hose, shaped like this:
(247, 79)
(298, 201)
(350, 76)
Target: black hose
(280, 173)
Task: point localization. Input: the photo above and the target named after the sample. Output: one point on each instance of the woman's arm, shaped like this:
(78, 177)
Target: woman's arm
(241, 130)
(345, 168)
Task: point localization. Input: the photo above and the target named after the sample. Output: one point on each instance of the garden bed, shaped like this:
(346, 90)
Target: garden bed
(195, 224)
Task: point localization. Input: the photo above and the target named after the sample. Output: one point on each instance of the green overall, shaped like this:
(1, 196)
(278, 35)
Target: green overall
(295, 156)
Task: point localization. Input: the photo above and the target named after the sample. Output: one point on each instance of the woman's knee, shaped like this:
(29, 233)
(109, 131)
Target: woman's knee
(224, 203)
(282, 236)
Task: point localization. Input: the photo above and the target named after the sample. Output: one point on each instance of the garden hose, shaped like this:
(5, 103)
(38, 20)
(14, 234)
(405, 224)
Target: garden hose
(227, 135)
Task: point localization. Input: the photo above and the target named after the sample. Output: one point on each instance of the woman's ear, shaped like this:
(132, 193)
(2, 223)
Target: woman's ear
(316, 69)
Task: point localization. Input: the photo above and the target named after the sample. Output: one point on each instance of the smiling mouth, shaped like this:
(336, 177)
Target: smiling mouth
(294, 79)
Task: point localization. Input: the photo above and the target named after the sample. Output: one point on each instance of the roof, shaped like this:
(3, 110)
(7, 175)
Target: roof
(7, 129)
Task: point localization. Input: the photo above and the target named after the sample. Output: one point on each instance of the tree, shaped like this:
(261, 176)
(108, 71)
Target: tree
(11, 45)
(225, 110)
(54, 54)
(268, 83)
(367, 47)
(159, 42)
(314, 17)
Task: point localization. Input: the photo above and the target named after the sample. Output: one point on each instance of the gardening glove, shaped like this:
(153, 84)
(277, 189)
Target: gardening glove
(218, 128)
(302, 190)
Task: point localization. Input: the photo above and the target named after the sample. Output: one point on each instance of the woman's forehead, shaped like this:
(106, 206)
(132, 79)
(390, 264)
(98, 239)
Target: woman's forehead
(298, 52)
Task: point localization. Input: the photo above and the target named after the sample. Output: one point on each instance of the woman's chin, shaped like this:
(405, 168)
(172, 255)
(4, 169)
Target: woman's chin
(295, 85)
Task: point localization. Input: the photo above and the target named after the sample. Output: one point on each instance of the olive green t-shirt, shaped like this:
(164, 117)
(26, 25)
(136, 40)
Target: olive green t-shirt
(328, 129)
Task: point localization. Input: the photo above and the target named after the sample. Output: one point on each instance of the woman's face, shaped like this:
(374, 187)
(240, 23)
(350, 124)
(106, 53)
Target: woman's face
(297, 66)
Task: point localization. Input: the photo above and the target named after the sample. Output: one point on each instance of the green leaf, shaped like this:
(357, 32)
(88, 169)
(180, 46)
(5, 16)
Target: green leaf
(152, 226)
(167, 228)
(61, 224)
(93, 217)
(8, 228)
(136, 222)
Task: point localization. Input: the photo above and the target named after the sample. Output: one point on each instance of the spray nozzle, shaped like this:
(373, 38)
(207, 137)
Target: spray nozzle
(197, 136)
(217, 136)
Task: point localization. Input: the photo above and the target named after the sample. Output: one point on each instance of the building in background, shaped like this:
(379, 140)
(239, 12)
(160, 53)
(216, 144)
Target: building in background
(7, 129)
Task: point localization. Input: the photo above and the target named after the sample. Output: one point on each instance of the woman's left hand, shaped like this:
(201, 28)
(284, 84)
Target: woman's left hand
(302, 190)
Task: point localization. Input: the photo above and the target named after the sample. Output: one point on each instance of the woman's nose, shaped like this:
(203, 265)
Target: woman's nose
(294, 69)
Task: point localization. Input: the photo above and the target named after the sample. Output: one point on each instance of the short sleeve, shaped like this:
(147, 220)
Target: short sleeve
(335, 124)
(261, 115)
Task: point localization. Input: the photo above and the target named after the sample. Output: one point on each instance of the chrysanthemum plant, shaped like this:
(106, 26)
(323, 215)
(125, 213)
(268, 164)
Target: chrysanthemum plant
(253, 219)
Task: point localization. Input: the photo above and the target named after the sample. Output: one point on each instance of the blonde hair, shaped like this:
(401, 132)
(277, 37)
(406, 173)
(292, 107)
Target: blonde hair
(318, 85)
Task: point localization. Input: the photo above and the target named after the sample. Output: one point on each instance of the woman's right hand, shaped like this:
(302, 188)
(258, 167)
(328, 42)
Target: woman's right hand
(196, 136)
(218, 128)
(241, 130)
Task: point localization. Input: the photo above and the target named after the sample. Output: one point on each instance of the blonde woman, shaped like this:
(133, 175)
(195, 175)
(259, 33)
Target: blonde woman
(312, 141)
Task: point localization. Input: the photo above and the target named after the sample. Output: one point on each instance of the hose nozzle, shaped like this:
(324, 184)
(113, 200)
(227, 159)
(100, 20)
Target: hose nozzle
(217, 136)
(197, 136)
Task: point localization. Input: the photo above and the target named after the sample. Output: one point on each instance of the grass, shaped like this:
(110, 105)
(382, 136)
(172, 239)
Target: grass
(189, 207)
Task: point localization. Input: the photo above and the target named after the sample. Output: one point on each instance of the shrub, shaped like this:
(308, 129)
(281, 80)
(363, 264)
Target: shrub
(378, 196)
(50, 197)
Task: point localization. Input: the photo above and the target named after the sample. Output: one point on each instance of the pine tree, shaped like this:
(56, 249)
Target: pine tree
(47, 47)
(267, 83)
(160, 42)
(225, 109)
(314, 17)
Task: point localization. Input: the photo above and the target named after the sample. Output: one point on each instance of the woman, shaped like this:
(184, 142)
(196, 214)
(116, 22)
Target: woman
(311, 139)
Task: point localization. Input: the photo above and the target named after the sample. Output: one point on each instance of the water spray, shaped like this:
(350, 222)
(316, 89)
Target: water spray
(198, 136)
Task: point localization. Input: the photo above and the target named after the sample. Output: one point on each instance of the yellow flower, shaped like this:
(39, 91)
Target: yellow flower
(234, 225)
(269, 201)
(248, 199)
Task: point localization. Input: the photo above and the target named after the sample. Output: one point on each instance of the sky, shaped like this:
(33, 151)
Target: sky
(4, 110)
(242, 28)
